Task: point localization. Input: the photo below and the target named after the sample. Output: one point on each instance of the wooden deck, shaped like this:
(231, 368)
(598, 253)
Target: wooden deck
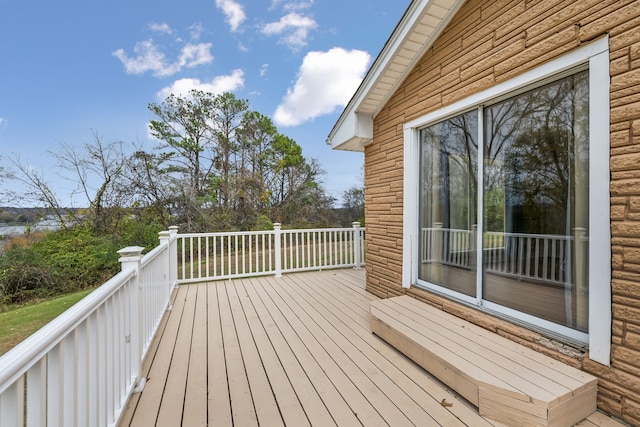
(296, 350)
(503, 379)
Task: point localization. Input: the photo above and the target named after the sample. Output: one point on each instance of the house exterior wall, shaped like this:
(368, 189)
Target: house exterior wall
(488, 42)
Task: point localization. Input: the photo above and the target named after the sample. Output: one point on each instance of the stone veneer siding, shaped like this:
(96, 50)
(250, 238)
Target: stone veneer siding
(488, 42)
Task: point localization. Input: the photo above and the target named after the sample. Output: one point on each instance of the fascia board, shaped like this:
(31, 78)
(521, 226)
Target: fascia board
(421, 24)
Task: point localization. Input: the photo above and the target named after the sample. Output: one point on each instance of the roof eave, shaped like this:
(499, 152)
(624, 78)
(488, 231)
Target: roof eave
(420, 26)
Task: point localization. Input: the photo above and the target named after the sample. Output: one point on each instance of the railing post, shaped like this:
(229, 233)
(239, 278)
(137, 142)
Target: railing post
(473, 246)
(580, 254)
(277, 236)
(130, 260)
(173, 256)
(356, 244)
(165, 240)
(437, 251)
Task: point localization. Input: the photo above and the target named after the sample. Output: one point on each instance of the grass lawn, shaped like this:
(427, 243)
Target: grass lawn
(18, 324)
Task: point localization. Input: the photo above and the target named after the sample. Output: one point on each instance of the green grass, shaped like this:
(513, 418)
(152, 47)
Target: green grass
(19, 323)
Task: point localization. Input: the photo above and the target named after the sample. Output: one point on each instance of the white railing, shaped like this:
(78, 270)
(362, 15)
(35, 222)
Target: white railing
(216, 256)
(81, 368)
(540, 257)
(449, 246)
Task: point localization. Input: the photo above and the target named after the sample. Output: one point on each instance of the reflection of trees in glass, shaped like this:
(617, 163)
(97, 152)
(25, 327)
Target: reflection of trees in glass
(494, 209)
(535, 182)
(449, 191)
(464, 155)
(449, 182)
(536, 149)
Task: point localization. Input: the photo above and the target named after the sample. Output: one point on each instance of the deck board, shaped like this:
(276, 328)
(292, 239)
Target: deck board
(336, 406)
(295, 350)
(219, 404)
(264, 400)
(291, 364)
(171, 408)
(148, 405)
(285, 396)
(243, 410)
(372, 364)
(358, 385)
(317, 346)
(423, 390)
(195, 399)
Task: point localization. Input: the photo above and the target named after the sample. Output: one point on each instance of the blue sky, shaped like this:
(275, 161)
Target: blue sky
(71, 68)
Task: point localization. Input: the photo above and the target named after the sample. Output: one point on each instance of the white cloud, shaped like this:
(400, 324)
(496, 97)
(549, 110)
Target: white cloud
(218, 85)
(295, 6)
(3, 123)
(196, 31)
(264, 69)
(149, 58)
(291, 5)
(294, 29)
(233, 12)
(326, 82)
(161, 28)
(193, 55)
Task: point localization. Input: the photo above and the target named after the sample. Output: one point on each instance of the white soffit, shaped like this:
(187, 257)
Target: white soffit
(421, 24)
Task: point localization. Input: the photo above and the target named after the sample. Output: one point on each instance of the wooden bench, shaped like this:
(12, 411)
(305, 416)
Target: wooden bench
(506, 381)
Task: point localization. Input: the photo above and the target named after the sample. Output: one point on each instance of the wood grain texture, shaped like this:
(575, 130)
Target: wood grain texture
(506, 381)
(294, 351)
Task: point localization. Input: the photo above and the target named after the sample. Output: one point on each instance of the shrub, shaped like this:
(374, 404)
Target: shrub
(59, 262)
(23, 282)
(263, 223)
(48, 264)
(140, 232)
(77, 258)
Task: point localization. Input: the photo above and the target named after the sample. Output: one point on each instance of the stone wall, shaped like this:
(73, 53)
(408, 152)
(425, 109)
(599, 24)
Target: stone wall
(486, 43)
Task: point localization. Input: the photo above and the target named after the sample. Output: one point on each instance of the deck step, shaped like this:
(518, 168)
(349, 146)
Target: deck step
(506, 381)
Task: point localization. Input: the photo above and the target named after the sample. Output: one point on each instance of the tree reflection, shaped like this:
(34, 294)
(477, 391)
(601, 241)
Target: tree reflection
(450, 183)
(536, 193)
(537, 153)
(534, 202)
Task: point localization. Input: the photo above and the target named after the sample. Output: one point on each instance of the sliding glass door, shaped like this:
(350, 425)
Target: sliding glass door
(526, 224)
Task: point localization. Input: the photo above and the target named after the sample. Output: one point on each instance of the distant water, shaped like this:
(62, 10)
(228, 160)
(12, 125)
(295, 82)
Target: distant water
(16, 230)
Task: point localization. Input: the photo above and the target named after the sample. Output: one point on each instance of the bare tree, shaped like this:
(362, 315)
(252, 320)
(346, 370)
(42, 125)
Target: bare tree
(152, 185)
(99, 171)
(36, 189)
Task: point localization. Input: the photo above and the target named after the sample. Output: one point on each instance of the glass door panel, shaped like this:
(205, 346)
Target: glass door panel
(535, 202)
(448, 205)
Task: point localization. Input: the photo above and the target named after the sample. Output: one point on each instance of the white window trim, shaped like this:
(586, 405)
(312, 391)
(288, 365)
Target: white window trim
(596, 55)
